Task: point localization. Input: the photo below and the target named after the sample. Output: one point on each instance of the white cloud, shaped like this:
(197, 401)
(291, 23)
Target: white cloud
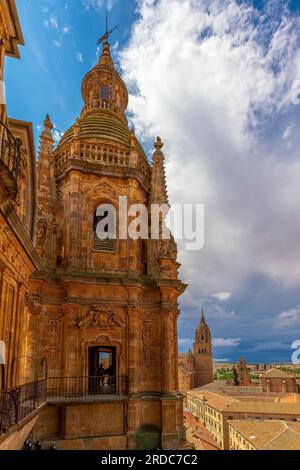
(222, 296)
(53, 22)
(57, 43)
(66, 29)
(185, 343)
(225, 342)
(97, 4)
(210, 92)
(290, 317)
(79, 56)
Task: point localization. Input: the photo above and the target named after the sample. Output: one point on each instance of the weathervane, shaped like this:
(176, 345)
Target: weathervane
(105, 36)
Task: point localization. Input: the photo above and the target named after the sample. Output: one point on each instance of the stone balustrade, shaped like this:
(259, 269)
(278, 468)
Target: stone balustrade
(99, 154)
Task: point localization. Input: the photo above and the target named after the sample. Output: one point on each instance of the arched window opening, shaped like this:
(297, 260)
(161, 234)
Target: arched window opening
(104, 92)
(107, 245)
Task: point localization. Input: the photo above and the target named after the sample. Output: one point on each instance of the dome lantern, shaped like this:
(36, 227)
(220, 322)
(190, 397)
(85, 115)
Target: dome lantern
(103, 90)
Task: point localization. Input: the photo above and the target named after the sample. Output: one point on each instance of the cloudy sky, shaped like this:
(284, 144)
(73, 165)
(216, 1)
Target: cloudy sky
(219, 81)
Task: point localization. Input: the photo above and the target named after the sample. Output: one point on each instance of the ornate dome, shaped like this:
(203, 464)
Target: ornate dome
(102, 127)
(101, 134)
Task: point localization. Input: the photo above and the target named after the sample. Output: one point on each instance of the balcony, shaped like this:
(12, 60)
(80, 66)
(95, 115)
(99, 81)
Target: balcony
(20, 403)
(23, 402)
(10, 156)
(86, 389)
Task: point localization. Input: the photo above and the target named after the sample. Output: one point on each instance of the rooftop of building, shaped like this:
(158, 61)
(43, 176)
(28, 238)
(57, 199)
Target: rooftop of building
(276, 373)
(234, 405)
(221, 386)
(269, 435)
(215, 400)
(290, 398)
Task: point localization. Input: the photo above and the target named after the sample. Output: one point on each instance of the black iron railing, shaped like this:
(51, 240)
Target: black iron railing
(62, 389)
(10, 156)
(19, 403)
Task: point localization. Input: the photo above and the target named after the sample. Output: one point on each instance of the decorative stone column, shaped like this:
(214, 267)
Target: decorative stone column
(168, 319)
(133, 348)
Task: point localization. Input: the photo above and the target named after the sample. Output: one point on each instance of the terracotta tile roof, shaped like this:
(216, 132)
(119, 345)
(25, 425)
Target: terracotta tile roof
(269, 435)
(215, 400)
(200, 431)
(290, 398)
(220, 386)
(234, 405)
(265, 408)
(276, 373)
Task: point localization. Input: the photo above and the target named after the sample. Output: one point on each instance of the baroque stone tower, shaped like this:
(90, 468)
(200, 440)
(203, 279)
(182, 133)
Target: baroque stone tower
(103, 313)
(196, 367)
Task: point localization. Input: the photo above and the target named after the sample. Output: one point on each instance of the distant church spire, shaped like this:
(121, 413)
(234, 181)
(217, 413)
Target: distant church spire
(202, 318)
(202, 343)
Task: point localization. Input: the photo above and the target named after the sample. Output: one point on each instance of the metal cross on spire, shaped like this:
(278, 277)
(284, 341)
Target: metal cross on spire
(108, 32)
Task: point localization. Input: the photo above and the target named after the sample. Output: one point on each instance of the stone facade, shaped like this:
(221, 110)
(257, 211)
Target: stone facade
(72, 303)
(118, 296)
(18, 258)
(196, 368)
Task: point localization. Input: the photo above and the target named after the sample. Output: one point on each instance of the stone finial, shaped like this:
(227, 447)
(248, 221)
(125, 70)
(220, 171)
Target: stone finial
(202, 317)
(158, 144)
(105, 58)
(48, 126)
(158, 192)
(76, 129)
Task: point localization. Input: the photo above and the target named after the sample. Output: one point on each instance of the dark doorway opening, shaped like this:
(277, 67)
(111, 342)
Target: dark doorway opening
(102, 370)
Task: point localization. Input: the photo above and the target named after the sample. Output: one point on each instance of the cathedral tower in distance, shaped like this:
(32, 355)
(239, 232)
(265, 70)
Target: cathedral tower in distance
(203, 354)
(103, 313)
(196, 367)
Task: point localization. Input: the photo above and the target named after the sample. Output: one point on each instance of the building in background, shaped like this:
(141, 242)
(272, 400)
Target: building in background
(264, 435)
(215, 411)
(241, 374)
(196, 367)
(276, 380)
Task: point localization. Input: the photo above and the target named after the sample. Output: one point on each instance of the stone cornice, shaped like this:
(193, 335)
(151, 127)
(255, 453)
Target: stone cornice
(103, 170)
(15, 37)
(92, 277)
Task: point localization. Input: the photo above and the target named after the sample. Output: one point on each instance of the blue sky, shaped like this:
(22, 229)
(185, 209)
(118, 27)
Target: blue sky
(215, 80)
(60, 39)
